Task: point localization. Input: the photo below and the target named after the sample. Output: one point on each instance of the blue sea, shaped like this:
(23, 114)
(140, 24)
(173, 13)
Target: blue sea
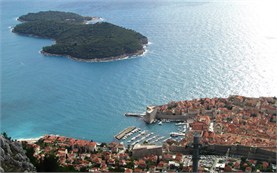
(197, 49)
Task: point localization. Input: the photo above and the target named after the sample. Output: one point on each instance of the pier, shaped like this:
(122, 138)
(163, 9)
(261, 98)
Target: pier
(121, 134)
(134, 135)
(134, 114)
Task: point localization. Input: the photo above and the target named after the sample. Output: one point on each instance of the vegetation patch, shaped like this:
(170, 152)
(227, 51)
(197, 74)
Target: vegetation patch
(76, 39)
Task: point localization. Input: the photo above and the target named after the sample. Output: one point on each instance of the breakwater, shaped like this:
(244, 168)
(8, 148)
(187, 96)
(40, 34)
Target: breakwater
(121, 134)
(134, 114)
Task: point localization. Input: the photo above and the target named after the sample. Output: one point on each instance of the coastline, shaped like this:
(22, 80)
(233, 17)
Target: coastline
(94, 19)
(20, 20)
(107, 59)
(29, 140)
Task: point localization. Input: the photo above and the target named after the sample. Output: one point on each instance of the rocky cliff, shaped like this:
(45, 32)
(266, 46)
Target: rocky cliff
(13, 157)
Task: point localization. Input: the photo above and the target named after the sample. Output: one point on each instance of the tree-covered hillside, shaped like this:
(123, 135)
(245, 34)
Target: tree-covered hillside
(83, 41)
(54, 15)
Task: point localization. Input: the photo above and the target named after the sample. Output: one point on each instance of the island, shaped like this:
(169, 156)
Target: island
(76, 39)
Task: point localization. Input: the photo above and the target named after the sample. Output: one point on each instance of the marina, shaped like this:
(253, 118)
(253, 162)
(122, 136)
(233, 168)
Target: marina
(134, 135)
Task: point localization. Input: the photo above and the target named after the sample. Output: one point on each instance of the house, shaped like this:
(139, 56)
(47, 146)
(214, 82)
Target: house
(127, 170)
(93, 169)
(173, 164)
(199, 126)
(92, 146)
(161, 165)
(122, 162)
(137, 170)
(248, 169)
(167, 157)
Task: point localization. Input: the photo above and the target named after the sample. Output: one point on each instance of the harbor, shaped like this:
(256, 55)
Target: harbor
(134, 135)
(178, 121)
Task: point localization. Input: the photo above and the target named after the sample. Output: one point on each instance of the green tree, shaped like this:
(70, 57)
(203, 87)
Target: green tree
(5, 135)
(243, 159)
(83, 169)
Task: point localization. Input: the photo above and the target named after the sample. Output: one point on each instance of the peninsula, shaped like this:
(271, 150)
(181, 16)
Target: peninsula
(78, 40)
(236, 134)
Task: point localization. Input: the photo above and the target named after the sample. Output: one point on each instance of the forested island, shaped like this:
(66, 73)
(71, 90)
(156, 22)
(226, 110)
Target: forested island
(74, 38)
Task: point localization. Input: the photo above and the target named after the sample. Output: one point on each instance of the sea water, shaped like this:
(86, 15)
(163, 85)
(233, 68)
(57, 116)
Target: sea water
(199, 49)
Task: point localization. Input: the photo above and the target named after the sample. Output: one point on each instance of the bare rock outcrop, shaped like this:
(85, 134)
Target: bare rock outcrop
(13, 157)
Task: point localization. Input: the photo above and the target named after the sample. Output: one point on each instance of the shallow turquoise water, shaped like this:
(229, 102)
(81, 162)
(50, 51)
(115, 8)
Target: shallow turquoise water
(199, 49)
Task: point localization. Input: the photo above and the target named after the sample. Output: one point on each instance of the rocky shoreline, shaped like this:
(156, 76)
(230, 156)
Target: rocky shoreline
(108, 59)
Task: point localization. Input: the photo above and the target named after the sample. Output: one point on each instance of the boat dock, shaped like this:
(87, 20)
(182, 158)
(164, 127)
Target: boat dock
(134, 114)
(134, 135)
(121, 134)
